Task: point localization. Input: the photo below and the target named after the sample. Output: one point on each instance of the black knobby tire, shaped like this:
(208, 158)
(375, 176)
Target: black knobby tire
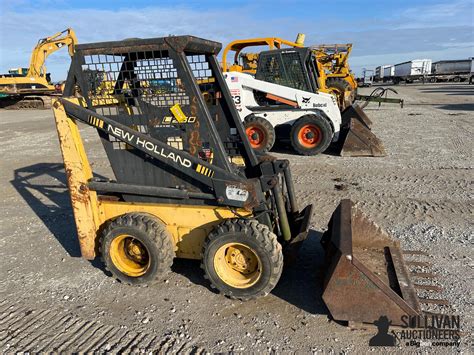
(262, 125)
(342, 86)
(322, 127)
(260, 240)
(145, 230)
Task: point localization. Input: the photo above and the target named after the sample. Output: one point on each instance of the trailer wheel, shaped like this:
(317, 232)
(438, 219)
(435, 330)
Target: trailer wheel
(242, 259)
(311, 135)
(136, 248)
(260, 133)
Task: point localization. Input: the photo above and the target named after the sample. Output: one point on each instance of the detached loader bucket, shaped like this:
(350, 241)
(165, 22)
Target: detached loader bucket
(356, 137)
(366, 276)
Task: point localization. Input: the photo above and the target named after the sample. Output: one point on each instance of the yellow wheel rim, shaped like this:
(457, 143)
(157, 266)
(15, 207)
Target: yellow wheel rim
(129, 255)
(237, 265)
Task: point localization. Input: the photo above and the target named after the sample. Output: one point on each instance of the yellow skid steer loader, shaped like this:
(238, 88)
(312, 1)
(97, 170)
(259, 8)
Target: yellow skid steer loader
(187, 183)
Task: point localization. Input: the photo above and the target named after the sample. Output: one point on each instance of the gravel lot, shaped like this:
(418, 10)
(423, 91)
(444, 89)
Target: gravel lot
(53, 300)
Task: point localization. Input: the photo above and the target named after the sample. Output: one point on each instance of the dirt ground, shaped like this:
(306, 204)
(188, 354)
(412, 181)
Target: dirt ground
(421, 192)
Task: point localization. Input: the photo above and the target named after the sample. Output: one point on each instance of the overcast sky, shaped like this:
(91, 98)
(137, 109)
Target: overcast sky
(383, 32)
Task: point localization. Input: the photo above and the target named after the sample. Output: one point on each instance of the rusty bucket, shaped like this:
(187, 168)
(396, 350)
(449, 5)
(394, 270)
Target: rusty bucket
(366, 276)
(357, 138)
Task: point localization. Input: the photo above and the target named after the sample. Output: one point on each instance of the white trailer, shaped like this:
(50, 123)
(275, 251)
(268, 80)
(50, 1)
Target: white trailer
(380, 72)
(388, 72)
(451, 70)
(412, 70)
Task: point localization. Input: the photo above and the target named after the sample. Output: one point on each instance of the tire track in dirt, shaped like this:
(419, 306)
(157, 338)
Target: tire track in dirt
(23, 329)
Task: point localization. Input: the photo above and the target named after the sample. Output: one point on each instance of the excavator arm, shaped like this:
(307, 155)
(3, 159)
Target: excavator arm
(47, 46)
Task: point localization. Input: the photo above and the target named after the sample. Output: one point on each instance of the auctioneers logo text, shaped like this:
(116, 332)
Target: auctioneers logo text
(426, 330)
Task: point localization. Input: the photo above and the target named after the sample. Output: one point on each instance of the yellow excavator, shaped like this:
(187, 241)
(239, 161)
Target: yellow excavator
(31, 87)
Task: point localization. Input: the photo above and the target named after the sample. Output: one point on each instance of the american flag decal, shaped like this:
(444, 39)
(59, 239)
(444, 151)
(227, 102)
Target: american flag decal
(234, 79)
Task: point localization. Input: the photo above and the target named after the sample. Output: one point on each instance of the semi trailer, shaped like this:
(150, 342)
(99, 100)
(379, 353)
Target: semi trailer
(451, 70)
(411, 70)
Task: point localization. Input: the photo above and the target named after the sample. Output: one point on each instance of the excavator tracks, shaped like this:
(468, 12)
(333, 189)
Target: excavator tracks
(27, 102)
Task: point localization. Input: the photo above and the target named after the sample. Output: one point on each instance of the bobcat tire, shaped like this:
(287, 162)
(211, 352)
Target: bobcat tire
(311, 135)
(136, 248)
(242, 259)
(260, 133)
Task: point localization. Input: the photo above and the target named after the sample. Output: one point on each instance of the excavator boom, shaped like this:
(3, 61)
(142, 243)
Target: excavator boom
(47, 46)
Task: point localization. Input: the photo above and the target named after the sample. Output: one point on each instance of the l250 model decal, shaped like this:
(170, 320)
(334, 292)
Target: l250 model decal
(151, 147)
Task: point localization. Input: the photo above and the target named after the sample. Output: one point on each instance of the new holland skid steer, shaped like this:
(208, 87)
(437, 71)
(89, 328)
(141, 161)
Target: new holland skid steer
(283, 100)
(188, 184)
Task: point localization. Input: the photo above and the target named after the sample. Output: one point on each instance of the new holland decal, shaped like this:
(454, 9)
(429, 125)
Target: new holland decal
(152, 148)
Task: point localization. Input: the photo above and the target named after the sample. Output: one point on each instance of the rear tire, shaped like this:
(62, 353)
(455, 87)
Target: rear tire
(311, 135)
(136, 248)
(242, 259)
(260, 133)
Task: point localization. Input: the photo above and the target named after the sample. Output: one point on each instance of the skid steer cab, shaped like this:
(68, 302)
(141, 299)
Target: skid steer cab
(283, 100)
(187, 184)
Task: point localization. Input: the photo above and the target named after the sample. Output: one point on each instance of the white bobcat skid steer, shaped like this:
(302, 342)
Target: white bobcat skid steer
(310, 121)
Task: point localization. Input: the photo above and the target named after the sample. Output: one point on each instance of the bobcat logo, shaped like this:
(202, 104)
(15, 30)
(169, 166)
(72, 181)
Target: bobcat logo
(305, 100)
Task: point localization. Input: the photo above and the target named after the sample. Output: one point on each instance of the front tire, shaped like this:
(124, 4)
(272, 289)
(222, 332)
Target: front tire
(260, 133)
(242, 259)
(311, 135)
(136, 248)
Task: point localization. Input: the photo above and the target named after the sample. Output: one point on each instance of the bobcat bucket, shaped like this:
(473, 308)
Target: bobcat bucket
(366, 277)
(357, 139)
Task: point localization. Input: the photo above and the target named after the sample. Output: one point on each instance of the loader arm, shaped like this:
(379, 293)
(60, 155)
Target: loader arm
(47, 46)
